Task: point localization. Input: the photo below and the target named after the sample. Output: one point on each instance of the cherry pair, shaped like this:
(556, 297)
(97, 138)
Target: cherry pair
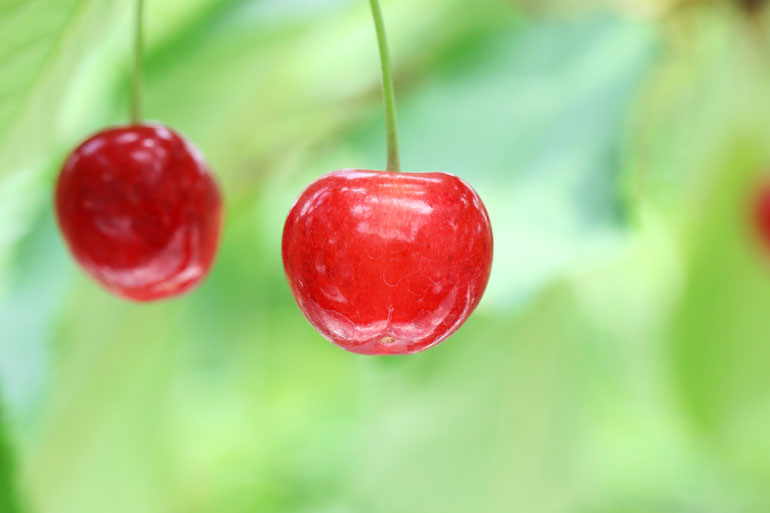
(380, 262)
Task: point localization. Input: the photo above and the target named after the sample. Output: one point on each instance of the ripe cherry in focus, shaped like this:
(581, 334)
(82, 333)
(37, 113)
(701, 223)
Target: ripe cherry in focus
(387, 263)
(140, 211)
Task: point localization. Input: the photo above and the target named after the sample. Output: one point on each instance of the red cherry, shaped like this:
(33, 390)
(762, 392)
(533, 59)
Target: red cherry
(387, 263)
(140, 211)
(761, 214)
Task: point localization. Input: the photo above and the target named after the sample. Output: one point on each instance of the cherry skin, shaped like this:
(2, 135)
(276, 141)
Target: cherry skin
(387, 263)
(140, 211)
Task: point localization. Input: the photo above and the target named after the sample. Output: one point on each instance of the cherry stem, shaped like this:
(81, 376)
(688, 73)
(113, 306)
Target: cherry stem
(136, 103)
(394, 160)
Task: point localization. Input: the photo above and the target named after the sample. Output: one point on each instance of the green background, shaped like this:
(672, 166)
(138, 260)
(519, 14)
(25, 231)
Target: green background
(617, 364)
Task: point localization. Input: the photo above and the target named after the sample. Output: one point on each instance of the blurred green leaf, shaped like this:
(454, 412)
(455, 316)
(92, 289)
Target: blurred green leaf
(9, 500)
(701, 149)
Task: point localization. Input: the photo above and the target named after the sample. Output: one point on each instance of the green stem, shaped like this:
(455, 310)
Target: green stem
(136, 102)
(394, 160)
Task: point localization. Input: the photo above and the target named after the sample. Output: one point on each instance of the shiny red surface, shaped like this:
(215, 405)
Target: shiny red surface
(387, 263)
(140, 211)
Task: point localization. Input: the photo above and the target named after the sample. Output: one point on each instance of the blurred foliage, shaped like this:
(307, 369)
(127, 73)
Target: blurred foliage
(8, 494)
(616, 364)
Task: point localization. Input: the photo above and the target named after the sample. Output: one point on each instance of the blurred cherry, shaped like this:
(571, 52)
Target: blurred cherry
(140, 211)
(137, 205)
(761, 213)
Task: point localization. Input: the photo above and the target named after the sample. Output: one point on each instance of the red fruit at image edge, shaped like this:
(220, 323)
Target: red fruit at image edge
(762, 214)
(140, 211)
(387, 263)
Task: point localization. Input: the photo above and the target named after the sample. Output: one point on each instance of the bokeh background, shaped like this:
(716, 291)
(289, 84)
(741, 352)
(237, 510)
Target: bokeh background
(617, 364)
